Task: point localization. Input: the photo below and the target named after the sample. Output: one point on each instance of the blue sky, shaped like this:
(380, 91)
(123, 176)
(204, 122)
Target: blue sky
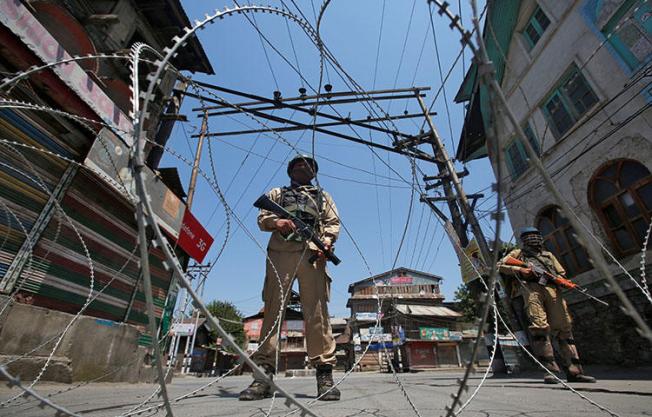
(372, 191)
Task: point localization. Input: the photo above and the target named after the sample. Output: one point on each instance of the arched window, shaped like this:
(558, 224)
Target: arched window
(558, 235)
(621, 194)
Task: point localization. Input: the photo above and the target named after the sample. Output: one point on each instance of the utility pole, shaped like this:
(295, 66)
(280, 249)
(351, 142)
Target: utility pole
(448, 176)
(450, 179)
(190, 341)
(195, 164)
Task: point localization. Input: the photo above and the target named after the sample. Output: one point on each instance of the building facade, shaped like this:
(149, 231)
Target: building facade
(69, 264)
(292, 340)
(576, 76)
(414, 331)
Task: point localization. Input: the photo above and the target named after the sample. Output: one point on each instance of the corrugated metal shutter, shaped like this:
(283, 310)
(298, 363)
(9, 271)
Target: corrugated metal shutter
(22, 197)
(57, 275)
(447, 354)
(421, 355)
(108, 228)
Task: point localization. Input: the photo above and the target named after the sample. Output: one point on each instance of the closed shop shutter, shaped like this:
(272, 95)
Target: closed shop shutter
(422, 355)
(24, 173)
(369, 362)
(62, 276)
(447, 354)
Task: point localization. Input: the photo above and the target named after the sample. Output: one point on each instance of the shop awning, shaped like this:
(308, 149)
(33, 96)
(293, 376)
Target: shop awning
(430, 311)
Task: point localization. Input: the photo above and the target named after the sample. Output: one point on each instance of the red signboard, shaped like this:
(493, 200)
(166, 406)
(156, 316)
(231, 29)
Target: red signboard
(401, 280)
(193, 238)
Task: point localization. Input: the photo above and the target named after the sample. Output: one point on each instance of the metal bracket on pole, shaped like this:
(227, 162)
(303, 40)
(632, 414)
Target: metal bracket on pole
(452, 176)
(438, 199)
(433, 207)
(423, 137)
(474, 199)
(445, 174)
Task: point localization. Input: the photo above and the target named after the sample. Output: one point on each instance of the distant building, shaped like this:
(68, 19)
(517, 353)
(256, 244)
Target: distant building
(415, 329)
(576, 76)
(292, 343)
(53, 267)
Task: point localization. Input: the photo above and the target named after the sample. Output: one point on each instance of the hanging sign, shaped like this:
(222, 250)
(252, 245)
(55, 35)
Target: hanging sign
(183, 329)
(193, 238)
(434, 333)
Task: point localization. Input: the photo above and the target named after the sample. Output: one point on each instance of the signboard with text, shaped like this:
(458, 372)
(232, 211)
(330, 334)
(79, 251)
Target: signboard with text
(193, 238)
(367, 316)
(183, 329)
(434, 333)
(400, 280)
(109, 158)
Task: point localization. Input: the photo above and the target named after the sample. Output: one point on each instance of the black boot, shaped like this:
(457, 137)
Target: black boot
(549, 379)
(258, 389)
(326, 390)
(580, 378)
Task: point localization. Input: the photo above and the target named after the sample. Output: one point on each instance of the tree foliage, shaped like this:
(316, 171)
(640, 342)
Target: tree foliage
(230, 319)
(470, 309)
(467, 304)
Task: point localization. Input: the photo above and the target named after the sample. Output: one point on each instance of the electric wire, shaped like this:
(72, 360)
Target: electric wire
(441, 78)
(407, 222)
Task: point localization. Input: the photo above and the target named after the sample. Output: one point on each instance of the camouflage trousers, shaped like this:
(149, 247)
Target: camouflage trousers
(549, 317)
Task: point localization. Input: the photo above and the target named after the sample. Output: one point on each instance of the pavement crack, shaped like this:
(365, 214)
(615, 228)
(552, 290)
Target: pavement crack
(582, 389)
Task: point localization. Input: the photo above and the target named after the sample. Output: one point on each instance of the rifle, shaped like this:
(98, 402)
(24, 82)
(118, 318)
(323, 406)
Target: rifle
(303, 230)
(545, 276)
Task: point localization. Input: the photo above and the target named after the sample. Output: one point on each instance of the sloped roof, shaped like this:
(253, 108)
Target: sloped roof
(497, 34)
(168, 19)
(397, 270)
(430, 311)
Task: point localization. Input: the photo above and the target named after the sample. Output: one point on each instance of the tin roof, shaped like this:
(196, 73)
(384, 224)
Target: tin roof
(400, 270)
(168, 19)
(430, 311)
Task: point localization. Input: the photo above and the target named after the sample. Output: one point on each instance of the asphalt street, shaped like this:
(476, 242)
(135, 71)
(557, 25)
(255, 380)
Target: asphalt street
(625, 393)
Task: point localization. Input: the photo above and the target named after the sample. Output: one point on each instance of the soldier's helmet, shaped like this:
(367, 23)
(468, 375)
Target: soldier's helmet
(531, 237)
(529, 231)
(306, 158)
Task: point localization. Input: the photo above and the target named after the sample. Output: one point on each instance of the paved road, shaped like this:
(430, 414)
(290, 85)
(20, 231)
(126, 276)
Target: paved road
(375, 395)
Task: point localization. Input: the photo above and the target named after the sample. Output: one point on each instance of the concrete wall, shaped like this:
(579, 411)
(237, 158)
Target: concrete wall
(603, 335)
(92, 348)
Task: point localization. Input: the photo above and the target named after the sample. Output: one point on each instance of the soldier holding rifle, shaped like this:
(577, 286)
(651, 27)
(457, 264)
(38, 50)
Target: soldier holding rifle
(540, 277)
(304, 224)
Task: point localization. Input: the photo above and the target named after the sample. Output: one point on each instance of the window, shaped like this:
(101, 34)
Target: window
(560, 240)
(516, 155)
(628, 29)
(621, 195)
(568, 102)
(535, 27)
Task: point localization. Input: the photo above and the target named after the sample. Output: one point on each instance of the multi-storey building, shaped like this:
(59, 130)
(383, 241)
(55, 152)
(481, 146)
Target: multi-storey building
(292, 340)
(69, 264)
(576, 75)
(412, 321)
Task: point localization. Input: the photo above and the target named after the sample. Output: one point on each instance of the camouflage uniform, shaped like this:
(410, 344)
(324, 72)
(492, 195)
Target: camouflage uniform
(547, 312)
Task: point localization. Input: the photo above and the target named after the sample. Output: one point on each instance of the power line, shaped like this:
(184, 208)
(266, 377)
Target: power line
(416, 69)
(400, 61)
(254, 23)
(441, 78)
(380, 36)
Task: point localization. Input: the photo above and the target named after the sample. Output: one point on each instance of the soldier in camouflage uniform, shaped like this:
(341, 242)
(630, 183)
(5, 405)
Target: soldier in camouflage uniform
(546, 309)
(289, 256)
